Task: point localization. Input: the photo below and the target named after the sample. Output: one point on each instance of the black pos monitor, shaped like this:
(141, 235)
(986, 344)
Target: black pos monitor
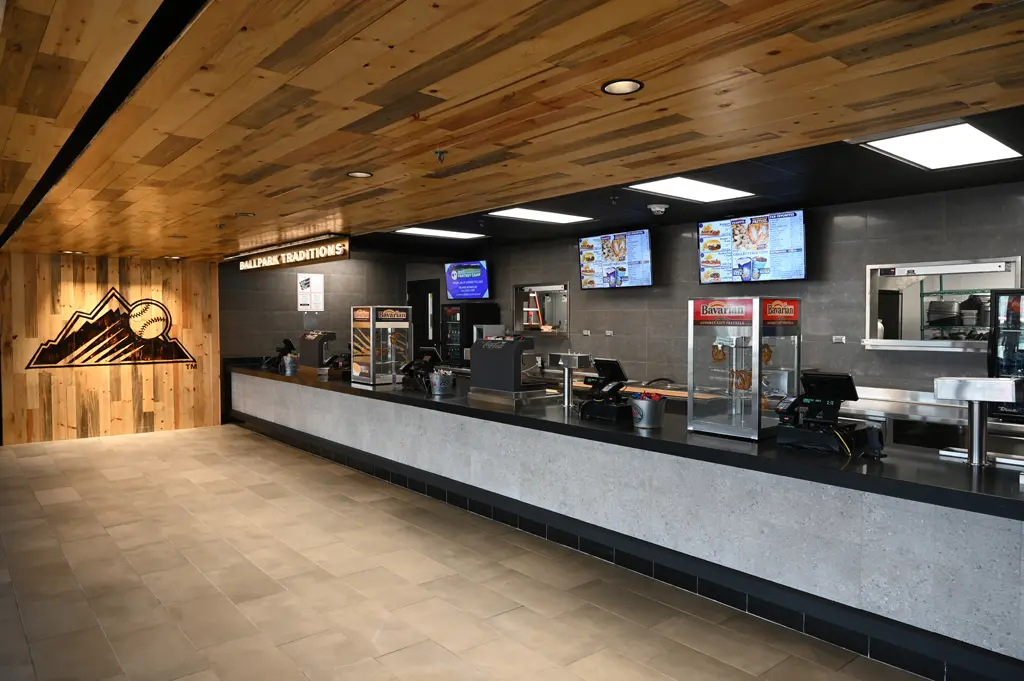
(811, 421)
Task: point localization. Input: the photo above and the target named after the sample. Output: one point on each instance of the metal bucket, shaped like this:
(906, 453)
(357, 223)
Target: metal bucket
(291, 365)
(648, 414)
(442, 384)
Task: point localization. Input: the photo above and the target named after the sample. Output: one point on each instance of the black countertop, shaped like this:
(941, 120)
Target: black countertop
(907, 472)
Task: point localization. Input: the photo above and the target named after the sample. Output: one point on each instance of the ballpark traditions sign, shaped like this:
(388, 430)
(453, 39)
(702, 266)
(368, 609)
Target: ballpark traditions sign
(334, 249)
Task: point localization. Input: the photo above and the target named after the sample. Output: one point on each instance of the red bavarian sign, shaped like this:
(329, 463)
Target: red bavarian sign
(723, 311)
(780, 312)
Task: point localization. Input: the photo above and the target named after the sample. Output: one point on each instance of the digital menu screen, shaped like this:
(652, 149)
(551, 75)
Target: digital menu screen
(616, 260)
(758, 248)
(466, 280)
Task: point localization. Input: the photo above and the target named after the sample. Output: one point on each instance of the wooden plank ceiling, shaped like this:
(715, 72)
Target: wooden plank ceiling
(264, 105)
(55, 55)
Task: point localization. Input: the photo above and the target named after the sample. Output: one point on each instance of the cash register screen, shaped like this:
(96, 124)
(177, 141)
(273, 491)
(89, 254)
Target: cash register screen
(829, 386)
(609, 369)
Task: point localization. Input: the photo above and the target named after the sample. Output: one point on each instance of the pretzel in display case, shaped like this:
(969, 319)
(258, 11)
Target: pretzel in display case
(746, 353)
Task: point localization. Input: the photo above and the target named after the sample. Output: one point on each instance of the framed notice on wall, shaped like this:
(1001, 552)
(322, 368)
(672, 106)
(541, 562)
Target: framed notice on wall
(311, 292)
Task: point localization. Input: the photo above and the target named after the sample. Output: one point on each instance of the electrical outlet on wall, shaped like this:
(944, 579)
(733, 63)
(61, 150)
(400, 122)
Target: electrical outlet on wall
(609, 332)
(838, 339)
(586, 332)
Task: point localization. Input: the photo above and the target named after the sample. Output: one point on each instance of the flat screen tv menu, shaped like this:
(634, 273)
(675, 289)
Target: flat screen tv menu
(758, 248)
(616, 260)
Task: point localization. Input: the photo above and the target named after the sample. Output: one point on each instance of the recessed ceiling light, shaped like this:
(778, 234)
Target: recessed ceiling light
(948, 147)
(172, 257)
(245, 215)
(73, 252)
(441, 233)
(622, 86)
(691, 190)
(538, 216)
(360, 174)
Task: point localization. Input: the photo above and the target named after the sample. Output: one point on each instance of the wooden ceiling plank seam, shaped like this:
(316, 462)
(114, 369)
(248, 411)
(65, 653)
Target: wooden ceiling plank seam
(242, 94)
(218, 22)
(938, 50)
(335, 24)
(76, 28)
(591, 22)
(520, 27)
(23, 33)
(225, 137)
(410, 57)
(387, 32)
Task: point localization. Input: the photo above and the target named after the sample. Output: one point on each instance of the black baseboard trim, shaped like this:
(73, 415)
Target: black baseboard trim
(923, 652)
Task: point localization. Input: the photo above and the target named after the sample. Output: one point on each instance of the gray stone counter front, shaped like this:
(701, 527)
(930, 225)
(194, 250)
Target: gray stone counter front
(938, 569)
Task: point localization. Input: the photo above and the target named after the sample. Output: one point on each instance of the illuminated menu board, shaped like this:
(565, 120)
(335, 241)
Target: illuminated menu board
(757, 248)
(616, 260)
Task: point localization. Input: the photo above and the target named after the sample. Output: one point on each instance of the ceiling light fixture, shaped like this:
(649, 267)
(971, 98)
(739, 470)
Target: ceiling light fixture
(172, 257)
(360, 174)
(622, 86)
(245, 215)
(691, 190)
(73, 252)
(440, 233)
(538, 216)
(951, 146)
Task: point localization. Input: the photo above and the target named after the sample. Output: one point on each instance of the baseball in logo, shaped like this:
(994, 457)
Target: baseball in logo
(149, 319)
(113, 332)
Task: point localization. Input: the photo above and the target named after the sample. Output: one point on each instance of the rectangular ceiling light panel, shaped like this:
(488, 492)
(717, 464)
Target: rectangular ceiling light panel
(538, 216)
(949, 147)
(691, 190)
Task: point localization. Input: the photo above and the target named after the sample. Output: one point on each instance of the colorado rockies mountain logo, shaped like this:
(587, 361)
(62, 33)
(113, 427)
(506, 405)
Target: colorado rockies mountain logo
(114, 332)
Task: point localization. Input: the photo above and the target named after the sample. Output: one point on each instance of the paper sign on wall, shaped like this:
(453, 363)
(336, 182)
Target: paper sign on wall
(311, 292)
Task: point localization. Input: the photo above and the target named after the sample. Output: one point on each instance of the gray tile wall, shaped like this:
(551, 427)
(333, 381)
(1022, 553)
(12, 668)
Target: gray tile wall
(258, 308)
(649, 325)
(949, 571)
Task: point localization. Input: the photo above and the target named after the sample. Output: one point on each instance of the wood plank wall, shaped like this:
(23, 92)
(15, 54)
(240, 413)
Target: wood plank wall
(40, 293)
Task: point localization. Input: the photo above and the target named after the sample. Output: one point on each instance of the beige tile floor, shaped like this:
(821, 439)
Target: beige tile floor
(218, 555)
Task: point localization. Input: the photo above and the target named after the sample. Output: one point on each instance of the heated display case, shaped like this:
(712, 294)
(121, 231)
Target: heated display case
(381, 340)
(745, 354)
(457, 322)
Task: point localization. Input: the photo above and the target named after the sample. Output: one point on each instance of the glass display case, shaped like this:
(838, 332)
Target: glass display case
(541, 309)
(744, 357)
(1006, 347)
(381, 339)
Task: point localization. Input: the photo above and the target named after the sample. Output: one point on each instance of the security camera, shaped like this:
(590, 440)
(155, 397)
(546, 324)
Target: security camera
(658, 208)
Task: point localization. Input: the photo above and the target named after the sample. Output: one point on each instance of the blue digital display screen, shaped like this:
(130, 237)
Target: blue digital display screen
(466, 280)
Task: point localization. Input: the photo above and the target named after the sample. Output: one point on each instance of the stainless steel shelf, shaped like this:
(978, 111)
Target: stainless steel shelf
(925, 345)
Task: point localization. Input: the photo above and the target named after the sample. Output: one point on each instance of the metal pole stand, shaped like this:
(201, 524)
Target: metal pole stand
(978, 393)
(567, 387)
(977, 433)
